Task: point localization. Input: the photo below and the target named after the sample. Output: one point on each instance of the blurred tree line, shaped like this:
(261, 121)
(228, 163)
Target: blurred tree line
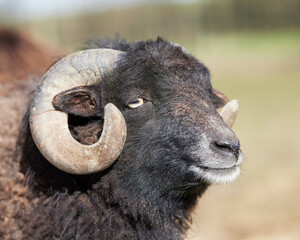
(175, 21)
(249, 14)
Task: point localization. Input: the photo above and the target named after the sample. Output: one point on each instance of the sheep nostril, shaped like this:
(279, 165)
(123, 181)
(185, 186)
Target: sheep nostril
(227, 147)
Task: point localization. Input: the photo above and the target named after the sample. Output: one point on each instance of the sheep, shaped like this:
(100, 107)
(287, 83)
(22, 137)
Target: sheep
(119, 142)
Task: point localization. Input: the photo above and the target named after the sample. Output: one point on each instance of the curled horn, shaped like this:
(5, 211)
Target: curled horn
(49, 127)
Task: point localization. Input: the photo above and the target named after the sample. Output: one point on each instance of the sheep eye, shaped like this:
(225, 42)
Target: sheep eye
(136, 103)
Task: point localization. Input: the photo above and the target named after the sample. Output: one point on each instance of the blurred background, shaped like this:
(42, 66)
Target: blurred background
(252, 49)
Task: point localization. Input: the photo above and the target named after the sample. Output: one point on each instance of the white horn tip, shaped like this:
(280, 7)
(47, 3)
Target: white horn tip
(229, 112)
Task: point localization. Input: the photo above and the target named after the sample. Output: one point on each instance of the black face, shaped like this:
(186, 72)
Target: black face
(176, 143)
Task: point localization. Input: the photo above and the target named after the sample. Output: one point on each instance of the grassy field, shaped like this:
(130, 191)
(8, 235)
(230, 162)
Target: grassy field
(262, 70)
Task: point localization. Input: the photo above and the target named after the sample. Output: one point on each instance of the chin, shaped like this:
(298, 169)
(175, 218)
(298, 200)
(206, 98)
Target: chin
(218, 174)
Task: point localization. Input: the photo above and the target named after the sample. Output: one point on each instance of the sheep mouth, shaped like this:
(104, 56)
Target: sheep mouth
(224, 169)
(221, 171)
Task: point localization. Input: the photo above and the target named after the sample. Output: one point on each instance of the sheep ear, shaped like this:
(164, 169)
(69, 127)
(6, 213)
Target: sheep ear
(218, 98)
(79, 101)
